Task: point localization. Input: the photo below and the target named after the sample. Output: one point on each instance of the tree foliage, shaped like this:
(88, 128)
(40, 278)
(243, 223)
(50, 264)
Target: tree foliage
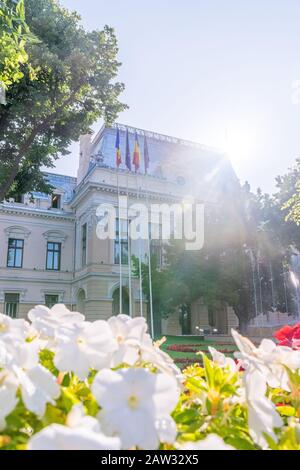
(75, 85)
(14, 35)
(289, 193)
(243, 263)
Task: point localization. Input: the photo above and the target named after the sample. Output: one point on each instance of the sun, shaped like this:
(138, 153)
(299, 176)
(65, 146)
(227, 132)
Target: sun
(240, 143)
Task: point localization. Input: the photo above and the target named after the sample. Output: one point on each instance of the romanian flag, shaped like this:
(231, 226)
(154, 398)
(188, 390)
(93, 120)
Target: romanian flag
(136, 154)
(118, 150)
(146, 155)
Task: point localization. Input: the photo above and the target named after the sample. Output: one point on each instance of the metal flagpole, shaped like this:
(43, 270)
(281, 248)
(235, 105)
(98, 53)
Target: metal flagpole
(140, 261)
(150, 269)
(120, 253)
(146, 163)
(129, 254)
(136, 162)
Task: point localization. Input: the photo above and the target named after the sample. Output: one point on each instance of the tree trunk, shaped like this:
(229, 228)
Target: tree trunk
(242, 315)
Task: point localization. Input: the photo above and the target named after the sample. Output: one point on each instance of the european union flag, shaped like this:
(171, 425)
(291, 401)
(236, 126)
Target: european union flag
(128, 158)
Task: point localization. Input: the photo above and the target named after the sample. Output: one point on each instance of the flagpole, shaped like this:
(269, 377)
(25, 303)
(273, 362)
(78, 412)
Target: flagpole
(120, 254)
(136, 161)
(129, 253)
(150, 268)
(140, 259)
(146, 163)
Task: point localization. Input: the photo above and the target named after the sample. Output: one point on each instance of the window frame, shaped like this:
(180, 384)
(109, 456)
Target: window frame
(84, 245)
(10, 303)
(50, 305)
(15, 249)
(122, 243)
(59, 201)
(53, 251)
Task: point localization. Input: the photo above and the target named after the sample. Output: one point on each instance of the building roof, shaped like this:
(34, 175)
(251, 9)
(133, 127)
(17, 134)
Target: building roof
(173, 159)
(63, 183)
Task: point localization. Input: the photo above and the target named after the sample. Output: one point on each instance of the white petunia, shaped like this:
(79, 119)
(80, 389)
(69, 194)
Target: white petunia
(222, 360)
(130, 334)
(58, 437)
(268, 358)
(166, 430)
(77, 418)
(13, 328)
(262, 414)
(8, 399)
(38, 386)
(135, 344)
(46, 321)
(132, 401)
(162, 361)
(82, 346)
(211, 442)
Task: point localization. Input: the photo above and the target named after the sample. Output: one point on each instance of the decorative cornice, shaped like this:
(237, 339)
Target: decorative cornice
(16, 231)
(60, 293)
(55, 236)
(7, 209)
(112, 189)
(12, 290)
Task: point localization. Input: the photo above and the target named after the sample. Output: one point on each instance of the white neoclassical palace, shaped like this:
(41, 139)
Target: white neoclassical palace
(50, 252)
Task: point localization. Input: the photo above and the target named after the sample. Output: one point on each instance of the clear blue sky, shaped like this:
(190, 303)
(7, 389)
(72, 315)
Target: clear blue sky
(217, 72)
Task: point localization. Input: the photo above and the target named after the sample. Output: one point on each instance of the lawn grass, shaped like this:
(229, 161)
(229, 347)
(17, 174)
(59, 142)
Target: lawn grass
(191, 357)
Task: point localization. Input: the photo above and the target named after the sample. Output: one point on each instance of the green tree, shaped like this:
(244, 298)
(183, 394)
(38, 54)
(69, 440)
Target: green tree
(75, 85)
(289, 193)
(245, 247)
(14, 35)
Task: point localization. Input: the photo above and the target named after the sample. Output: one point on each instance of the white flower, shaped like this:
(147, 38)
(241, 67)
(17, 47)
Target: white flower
(166, 430)
(82, 346)
(8, 399)
(13, 328)
(77, 418)
(222, 360)
(46, 321)
(58, 437)
(269, 359)
(135, 344)
(211, 442)
(162, 361)
(132, 401)
(262, 414)
(38, 386)
(130, 334)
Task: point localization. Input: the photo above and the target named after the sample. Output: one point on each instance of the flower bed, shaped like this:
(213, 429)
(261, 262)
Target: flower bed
(66, 383)
(190, 349)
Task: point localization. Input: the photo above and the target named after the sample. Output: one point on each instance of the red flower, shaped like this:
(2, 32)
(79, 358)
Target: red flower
(289, 336)
(238, 363)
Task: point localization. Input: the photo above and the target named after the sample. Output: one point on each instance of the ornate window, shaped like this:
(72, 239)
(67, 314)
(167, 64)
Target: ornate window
(51, 300)
(53, 256)
(83, 245)
(15, 253)
(56, 201)
(11, 304)
(121, 242)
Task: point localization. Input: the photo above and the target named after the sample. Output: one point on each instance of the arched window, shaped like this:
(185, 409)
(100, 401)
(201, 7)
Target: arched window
(80, 307)
(116, 301)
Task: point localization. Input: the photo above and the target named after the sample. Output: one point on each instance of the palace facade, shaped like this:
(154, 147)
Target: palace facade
(50, 252)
